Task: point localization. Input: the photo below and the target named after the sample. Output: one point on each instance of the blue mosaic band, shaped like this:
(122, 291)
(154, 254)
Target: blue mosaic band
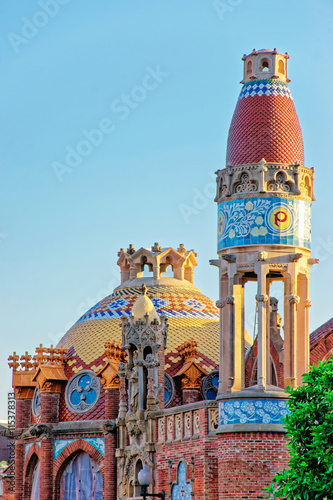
(265, 87)
(252, 411)
(264, 221)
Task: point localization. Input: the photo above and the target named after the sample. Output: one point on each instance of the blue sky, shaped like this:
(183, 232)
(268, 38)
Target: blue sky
(61, 225)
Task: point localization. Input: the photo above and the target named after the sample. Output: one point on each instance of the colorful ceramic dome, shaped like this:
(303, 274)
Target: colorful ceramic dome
(265, 123)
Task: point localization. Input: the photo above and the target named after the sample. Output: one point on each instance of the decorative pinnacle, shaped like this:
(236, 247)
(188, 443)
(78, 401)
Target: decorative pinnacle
(156, 248)
(131, 250)
(13, 361)
(189, 349)
(181, 248)
(50, 356)
(26, 362)
(113, 351)
(144, 289)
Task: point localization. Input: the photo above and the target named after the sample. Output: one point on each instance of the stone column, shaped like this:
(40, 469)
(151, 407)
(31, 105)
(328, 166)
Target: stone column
(291, 299)
(224, 336)
(262, 270)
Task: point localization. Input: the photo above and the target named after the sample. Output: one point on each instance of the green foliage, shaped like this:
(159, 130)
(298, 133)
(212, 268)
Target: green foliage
(309, 427)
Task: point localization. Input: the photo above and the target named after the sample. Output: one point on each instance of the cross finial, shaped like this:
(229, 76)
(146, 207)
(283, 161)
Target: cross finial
(26, 364)
(13, 361)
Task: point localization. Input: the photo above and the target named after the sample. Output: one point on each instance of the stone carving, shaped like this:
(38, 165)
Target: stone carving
(294, 299)
(213, 419)
(82, 391)
(280, 178)
(294, 257)
(170, 428)
(196, 422)
(262, 298)
(229, 258)
(279, 184)
(220, 304)
(230, 300)
(187, 424)
(246, 185)
(41, 431)
(169, 390)
(178, 426)
(307, 303)
(160, 431)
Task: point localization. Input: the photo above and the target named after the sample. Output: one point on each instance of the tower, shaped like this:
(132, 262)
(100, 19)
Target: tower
(264, 198)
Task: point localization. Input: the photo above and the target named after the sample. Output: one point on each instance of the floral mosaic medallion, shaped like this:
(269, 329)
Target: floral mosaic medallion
(252, 411)
(182, 490)
(266, 221)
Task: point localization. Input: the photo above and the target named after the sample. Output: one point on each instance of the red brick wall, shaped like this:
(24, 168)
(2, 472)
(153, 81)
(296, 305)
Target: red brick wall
(191, 396)
(203, 449)
(247, 462)
(23, 413)
(50, 408)
(46, 470)
(110, 461)
(19, 466)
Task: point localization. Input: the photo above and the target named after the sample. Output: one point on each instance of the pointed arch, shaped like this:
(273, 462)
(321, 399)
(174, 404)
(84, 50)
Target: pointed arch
(70, 452)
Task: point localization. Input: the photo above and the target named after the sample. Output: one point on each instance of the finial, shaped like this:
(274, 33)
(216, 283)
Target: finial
(131, 250)
(26, 364)
(13, 361)
(120, 252)
(144, 289)
(156, 248)
(181, 248)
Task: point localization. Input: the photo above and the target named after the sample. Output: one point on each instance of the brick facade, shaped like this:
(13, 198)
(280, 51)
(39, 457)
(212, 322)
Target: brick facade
(247, 462)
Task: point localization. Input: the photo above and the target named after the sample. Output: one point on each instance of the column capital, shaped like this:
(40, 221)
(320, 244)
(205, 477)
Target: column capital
(262, 298)
(220, 304)
(294, 299)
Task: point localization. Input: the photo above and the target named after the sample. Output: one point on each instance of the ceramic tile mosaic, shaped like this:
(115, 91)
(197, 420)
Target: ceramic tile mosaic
(252, 411)
(264, 221)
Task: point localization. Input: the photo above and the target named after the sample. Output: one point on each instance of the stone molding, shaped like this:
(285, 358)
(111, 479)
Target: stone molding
(279, 179)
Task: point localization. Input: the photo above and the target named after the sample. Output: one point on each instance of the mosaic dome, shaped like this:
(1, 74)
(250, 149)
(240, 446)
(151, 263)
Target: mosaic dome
(190, 315)
(265, 123)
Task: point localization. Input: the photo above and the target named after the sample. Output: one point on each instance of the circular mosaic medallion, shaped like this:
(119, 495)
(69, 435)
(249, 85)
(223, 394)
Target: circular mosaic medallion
(169, 390)
(82, 391)
(36, 403)
(210, 385)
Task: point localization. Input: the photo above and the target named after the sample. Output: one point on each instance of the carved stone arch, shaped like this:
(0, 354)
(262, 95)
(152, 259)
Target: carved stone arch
(281, 182)
(70, 452)
(306, 186)
(31, 461)
(244, 183)
(129, 478)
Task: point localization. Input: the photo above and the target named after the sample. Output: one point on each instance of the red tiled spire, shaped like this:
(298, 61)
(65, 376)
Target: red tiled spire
(265, 123)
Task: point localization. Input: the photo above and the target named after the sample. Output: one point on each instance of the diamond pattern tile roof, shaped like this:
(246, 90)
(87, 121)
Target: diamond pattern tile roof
(265, 125)
(190, 315)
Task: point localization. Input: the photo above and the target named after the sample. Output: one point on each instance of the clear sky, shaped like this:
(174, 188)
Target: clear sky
(160, 80)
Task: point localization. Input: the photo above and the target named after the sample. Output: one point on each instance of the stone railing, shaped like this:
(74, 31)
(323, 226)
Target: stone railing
(192, 421)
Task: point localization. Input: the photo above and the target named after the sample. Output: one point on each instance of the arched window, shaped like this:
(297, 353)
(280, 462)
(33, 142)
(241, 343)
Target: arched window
(281, 66)
(249, 68)
(35, 482)
(264, 65)
(183, 488)
(81, 479)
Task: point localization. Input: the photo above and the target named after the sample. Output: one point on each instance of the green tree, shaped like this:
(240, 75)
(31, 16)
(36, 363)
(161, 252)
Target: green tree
(309, 426)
